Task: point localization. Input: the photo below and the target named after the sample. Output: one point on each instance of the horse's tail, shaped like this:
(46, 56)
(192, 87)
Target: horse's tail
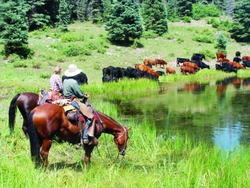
(35, 143)
(12, 113)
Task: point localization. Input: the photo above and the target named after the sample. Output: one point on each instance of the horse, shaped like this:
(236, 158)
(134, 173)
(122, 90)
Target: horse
(25, 102)
(49, 120)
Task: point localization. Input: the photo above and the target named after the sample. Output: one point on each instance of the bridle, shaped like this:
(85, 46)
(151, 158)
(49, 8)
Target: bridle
(123, 151)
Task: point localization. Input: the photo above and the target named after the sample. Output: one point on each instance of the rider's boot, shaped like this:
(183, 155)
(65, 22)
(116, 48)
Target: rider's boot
(85, 132)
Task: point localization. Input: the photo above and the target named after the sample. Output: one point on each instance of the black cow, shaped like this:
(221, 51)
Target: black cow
(81, 78)
(237, 54)
(201, 64)
(181, 60)
(134, 73)
(161, 73)
(197, 57)
(225, 67)
(108, 71)
(246, 63)
(237, 59)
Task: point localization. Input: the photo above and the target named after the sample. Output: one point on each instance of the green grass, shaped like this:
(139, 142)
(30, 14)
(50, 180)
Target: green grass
(150, 161)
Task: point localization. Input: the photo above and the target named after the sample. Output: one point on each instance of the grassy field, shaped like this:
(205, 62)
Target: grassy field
(150, 162)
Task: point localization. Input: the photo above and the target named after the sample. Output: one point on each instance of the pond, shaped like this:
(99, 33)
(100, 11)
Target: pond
(217, 112)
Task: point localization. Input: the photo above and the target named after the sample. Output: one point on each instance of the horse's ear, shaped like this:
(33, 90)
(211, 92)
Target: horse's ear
(128, 128)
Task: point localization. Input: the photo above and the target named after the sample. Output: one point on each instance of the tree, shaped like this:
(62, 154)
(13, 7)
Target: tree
(221, 43)
(14, 28)
(184, 7)
(124, 23)
(154, 16)
(36, 14)
(64, 14)
(241, 25)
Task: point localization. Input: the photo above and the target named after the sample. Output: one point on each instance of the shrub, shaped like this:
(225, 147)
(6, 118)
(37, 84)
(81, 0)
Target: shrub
(187, 19)
(13, 58)
(149, 34)
(75, 50)
(17, 64)
(201, 11)
(204, 38)
(70, 37)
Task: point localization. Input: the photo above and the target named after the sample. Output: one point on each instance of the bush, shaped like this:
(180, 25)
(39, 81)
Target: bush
(201, 11)
(208, 54)
(69, 37)
(204, 39)
(220, 24)
(22, 50)
(13, 58)
(17, 64)
(187, 19)
(149, 34)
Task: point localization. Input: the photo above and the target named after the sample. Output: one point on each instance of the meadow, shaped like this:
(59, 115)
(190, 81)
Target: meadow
(150, 161)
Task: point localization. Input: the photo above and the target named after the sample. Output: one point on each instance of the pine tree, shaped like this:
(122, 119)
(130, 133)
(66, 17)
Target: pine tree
(229, 7)
(64, 14)
(221, 43)
(184, 7)
(14, 28)
(124, 23)
(241, 25)
(154, 16)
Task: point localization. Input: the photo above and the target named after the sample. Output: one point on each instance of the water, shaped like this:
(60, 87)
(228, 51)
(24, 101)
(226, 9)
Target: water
(217, 112)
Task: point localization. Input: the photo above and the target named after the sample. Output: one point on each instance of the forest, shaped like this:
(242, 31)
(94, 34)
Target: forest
(125, 21)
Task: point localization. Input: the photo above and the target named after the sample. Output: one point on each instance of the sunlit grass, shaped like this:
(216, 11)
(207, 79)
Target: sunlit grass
(203, 75)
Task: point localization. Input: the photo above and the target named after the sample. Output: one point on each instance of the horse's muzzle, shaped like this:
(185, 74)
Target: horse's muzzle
(123, 152)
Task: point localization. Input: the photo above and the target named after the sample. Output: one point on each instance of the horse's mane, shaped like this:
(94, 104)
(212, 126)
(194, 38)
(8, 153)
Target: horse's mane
(108, 117)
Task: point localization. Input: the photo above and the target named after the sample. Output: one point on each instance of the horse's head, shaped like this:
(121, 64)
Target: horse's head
(121, 140)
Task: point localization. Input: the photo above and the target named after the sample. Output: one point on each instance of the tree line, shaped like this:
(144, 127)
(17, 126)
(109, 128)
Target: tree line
(124, 20)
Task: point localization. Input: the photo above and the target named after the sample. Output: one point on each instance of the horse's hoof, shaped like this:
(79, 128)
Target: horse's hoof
(78, 146)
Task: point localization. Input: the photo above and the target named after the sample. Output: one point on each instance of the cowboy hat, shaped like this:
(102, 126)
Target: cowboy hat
(72, 70)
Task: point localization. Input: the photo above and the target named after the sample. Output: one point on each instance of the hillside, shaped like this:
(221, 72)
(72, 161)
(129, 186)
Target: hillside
(48, 47)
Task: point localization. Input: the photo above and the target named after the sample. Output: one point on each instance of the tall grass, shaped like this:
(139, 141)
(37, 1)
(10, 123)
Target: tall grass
(150, 162)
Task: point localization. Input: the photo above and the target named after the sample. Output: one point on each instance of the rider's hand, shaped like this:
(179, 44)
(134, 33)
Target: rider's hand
(86, 95)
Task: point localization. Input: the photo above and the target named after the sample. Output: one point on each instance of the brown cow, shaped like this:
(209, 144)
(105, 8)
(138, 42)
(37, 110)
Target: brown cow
(148, 61)
(190, 64)
(237, 65)
(220, 55)
(186, 69)
(247, 58)
(161, 62)
(170, 70)
(147, 69)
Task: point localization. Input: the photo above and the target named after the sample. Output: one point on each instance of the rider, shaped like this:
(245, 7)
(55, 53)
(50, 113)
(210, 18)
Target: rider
(56, 84)
(71, 90)
(81, 77)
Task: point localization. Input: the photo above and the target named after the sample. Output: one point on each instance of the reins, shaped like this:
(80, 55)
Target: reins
(101, 122)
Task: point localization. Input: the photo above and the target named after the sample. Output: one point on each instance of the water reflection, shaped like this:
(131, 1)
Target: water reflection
(217, 112)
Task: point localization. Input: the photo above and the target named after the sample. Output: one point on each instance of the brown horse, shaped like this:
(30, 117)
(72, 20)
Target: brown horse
(25, 102)
(49, 120)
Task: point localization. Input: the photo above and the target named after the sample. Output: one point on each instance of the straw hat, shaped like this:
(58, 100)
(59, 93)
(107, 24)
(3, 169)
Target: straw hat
(72, 70)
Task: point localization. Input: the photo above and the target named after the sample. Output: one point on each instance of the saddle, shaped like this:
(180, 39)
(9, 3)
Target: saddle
(73, 114)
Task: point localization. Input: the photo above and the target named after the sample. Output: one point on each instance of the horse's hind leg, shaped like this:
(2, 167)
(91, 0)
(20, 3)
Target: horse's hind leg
(25, 127)
(45, 151)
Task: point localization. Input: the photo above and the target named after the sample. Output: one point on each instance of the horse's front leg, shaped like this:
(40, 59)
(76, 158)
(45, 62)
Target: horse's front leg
(46, 144)
(88, 150)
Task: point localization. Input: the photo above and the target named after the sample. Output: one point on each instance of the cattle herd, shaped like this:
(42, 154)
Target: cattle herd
(187, 66)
